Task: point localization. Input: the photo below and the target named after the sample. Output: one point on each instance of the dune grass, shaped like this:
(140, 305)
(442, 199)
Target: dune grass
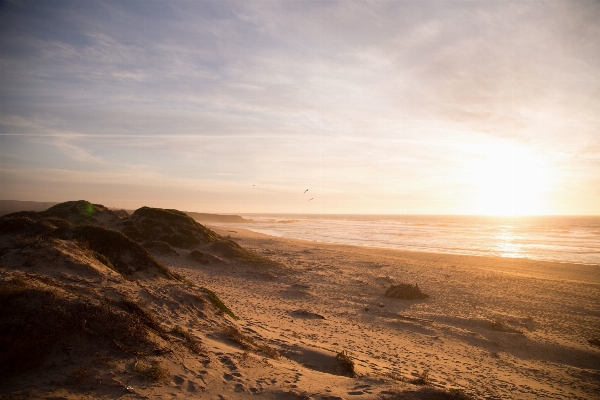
(345, 363)
(191, 342)
(154, 371)
(218, 303)
(35, 316)
(249, 343)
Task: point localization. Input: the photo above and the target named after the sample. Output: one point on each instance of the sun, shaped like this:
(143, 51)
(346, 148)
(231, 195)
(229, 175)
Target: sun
(510, 180)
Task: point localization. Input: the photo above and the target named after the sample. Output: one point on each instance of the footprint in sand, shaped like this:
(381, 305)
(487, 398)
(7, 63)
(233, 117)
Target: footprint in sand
(193, 387)
(239, 388)
(178, 380)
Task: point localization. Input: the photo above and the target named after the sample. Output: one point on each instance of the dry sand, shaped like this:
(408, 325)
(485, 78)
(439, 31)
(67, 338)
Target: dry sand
(495, 328)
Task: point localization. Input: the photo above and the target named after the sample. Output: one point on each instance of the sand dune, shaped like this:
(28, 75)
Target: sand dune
(215, 316)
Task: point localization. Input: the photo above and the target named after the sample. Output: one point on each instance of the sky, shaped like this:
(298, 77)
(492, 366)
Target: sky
(384, 107)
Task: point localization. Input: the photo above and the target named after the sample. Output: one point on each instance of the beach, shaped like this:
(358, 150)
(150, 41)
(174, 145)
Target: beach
(300, 200)
(227, 313)
(495, 327)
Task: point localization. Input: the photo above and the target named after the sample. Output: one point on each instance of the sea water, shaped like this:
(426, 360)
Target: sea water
(574, 239)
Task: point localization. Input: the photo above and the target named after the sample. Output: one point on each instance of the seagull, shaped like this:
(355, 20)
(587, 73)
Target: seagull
(306, 190)
(310, 198)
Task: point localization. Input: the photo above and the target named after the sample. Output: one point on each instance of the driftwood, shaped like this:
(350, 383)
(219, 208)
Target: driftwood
(405, 291)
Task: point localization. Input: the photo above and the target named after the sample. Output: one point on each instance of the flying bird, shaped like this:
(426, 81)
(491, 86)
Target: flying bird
(306, 190)
(310, 198)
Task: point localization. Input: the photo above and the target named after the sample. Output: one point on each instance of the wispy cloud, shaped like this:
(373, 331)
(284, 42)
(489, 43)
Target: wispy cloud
(331, 93)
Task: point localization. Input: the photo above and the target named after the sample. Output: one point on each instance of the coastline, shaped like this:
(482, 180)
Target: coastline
(560, 239)
(244, 314)
(527, 321)
(593, 271)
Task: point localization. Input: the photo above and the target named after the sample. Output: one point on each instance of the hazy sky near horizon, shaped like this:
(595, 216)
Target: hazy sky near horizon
(428, 107)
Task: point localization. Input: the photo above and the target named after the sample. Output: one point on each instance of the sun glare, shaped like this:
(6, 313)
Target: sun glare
(510, 180)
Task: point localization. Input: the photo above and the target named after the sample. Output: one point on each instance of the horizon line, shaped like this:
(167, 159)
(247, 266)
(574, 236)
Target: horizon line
(334, 213)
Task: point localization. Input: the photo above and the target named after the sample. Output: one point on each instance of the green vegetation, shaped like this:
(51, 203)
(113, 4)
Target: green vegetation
(154, 372)
(36, 315)
(132, 232)
(30, 224)
(167, 225)
(126, 255)
(84, 246)
(180, 240)
(104, 260)
(81, 211)
(218, 303)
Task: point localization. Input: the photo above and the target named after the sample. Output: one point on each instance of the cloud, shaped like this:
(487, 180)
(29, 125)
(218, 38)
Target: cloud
(332, 92)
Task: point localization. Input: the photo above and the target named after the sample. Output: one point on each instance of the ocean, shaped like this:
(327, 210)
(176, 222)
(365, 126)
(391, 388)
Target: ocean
(574, 239)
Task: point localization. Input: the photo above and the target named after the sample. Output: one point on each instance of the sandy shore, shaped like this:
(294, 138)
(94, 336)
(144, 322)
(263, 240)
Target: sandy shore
(495, 327)
(88, 313)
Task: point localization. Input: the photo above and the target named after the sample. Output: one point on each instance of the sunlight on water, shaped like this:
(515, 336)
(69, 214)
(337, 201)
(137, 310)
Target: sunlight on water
(507, 247)
(564, 239)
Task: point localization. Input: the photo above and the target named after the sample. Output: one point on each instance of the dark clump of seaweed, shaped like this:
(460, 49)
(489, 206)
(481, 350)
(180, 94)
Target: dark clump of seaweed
(345, 363)
(405, 291)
